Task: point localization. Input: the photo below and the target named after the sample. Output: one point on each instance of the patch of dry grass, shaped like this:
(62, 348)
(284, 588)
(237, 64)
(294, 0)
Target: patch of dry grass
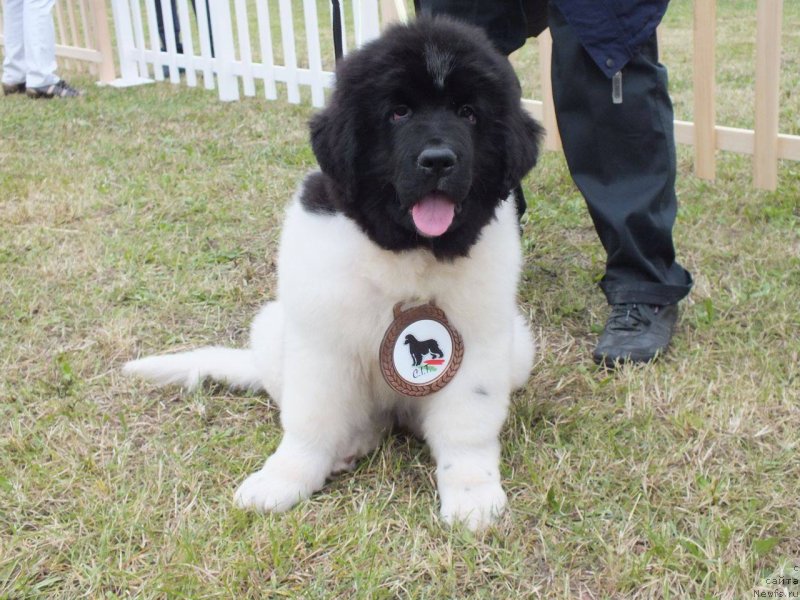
(149, 220)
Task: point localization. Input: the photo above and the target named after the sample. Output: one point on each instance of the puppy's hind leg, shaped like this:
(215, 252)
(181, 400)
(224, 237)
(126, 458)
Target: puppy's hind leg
(324, 420)
(523, 352)
(267, 344)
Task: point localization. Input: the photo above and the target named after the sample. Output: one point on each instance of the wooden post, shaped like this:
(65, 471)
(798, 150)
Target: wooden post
(204, 33)
(86, 34)
(393, 11)
(289, 51)
(171, 39)
(222, 26)
(187, 39)
(61, 33)
(245, 49)
(314, 52)
(367, 22)
(127, 24)
(267, 56)
(768, 62)
(103, 40)
(552, 141)
(72, 39)
(705, 139)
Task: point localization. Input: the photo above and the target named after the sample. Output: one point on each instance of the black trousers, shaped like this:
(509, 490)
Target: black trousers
(621, 156)
(176, 25)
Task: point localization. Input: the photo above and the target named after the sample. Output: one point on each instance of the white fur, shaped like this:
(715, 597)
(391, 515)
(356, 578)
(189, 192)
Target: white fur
(315, 351)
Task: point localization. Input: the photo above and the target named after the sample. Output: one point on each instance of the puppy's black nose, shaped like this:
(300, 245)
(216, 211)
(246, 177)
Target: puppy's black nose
(437, 160)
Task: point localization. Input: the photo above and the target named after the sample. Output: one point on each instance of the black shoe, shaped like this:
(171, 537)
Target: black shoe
(635, 333)
(13, 88)
(59, 89)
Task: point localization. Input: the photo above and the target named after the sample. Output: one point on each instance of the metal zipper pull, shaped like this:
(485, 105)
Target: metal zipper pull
(616, 88)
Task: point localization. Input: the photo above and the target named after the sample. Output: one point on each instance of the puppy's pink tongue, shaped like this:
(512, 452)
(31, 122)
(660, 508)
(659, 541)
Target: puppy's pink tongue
(433, 214)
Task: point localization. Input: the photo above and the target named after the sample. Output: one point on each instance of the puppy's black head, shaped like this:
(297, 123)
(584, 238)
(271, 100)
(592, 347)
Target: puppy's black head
(424, 136)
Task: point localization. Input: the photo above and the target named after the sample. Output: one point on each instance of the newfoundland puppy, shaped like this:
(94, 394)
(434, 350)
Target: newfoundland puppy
(420, 149)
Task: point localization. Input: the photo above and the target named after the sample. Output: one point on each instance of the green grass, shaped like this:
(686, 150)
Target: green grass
(146, 219)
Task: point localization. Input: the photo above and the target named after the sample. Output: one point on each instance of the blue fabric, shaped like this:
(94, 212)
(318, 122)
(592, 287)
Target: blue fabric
(612, 31)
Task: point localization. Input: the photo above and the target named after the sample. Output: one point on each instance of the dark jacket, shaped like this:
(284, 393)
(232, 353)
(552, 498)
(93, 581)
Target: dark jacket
(507, 22)
(611, 31)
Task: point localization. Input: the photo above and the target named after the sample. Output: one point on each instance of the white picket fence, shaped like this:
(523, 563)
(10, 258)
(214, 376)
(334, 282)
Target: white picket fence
(244, 47)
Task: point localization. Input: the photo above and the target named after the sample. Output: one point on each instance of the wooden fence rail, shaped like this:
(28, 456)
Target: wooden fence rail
(83, 38)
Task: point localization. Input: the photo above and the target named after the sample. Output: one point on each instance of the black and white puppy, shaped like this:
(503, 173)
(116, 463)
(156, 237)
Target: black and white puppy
(421, 145)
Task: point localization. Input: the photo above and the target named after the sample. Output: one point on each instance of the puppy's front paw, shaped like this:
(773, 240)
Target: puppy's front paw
(476, 506)
(267, 491)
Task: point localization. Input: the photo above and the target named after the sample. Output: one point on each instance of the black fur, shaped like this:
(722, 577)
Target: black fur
(418, 88)
(318, 194)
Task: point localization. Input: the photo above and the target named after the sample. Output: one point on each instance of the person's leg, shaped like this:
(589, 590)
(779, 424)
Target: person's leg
(38, 30)
(160, 25)
(14, 66)
(208, 17)
(210, 29)
(622, 158)
(176, 26)
(40, 43)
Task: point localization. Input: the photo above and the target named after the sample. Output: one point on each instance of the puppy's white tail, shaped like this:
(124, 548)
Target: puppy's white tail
(235, 367)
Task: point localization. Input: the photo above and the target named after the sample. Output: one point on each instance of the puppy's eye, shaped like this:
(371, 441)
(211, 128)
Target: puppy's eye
(468, 113)
(400, 113)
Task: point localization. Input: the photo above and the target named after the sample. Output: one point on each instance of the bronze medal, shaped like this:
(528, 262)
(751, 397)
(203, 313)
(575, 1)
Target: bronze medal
(420, 352)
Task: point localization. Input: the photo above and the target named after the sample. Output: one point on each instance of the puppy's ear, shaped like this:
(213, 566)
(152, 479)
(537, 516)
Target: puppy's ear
(334, 143)
(322, 141)
(522, 146)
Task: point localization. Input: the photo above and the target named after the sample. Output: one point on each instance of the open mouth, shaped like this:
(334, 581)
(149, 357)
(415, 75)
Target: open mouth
(433, 214)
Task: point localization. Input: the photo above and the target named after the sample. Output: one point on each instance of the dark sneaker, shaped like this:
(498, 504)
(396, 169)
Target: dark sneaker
(60, 89)
(13, 88)
(635, 333)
